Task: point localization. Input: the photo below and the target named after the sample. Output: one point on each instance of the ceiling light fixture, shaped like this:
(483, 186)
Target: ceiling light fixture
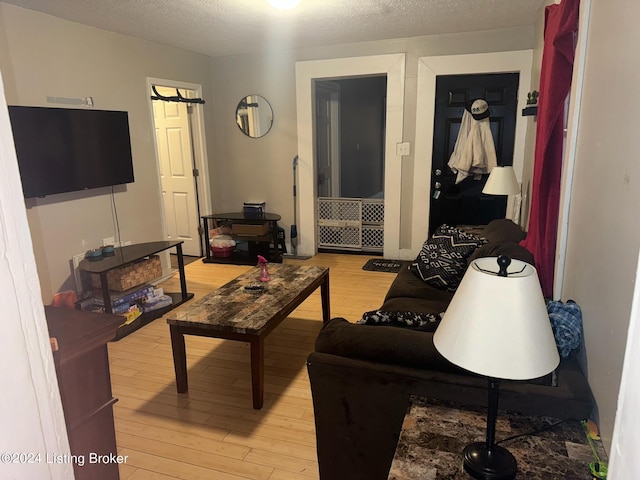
(284, 4)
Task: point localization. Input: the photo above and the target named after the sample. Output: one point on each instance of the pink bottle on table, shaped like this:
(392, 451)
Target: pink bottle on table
(264, 271)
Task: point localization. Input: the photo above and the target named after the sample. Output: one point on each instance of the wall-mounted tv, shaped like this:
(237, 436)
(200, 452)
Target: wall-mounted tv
(65, 150)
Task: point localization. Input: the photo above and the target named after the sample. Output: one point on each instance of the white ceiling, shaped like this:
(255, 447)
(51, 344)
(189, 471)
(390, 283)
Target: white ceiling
(226, 27)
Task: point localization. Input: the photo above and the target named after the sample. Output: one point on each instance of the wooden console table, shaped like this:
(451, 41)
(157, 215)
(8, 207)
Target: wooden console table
(271, 238)
(82, 368)
(129, 254)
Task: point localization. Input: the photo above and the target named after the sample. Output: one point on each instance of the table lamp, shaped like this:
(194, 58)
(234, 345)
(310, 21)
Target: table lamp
(497, 326)
(502, 181)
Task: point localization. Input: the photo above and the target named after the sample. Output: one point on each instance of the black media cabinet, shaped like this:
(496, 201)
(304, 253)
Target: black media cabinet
(129, 254)
(266, 245)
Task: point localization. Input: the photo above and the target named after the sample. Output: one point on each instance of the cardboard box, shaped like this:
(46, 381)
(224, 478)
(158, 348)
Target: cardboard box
(254, 229)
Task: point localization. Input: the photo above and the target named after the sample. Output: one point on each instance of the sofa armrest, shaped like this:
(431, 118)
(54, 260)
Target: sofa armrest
(358, 416)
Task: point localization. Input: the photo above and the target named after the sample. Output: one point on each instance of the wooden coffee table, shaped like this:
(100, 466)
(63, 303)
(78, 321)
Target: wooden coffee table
(233, 313)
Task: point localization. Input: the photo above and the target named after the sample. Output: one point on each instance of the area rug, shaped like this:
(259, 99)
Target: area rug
(381, 265)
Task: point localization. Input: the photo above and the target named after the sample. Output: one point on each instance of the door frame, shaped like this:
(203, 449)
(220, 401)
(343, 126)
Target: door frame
(393, 66)
(334, 114)
(203, 197)
(428, 69)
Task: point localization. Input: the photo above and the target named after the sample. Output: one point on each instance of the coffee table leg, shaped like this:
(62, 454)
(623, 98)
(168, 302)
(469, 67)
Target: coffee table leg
(257, 371)
(179, 358)
(324, 295)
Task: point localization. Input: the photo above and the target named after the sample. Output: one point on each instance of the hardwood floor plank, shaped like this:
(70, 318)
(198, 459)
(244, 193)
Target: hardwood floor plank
(135, 381)
(163, 398)
(212, 461)
(268, 444)
(248, 427)
(184, 470)
(150, 406)
(272, 416)
(126, 471)
(208, 403)
(284, 475)
(183, 439)
(283, 462)
(212, 431)
(169, 424)
(140, 474)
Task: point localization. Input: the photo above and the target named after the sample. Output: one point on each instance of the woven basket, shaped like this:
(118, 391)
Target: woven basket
(131, 275)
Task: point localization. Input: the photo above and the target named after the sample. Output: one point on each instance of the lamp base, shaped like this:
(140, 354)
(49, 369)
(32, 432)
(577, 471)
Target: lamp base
(484, 464)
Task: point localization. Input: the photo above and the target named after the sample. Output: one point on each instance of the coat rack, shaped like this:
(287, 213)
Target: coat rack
(177, 98)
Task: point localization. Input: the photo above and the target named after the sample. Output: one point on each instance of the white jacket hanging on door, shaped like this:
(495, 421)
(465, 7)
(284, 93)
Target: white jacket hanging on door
(474, 153)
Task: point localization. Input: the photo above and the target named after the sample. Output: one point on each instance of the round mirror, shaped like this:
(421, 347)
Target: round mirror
(254, 116)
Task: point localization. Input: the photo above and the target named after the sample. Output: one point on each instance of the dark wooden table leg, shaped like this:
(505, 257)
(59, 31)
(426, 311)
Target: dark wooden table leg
(257, 371)
(324, 295)
(183, 280)
(179, 358)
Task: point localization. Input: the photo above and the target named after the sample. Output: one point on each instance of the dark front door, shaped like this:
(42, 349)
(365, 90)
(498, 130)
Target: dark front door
(464, 203)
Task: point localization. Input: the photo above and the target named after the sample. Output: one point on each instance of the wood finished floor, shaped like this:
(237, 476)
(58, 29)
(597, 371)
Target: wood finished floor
(212, 432)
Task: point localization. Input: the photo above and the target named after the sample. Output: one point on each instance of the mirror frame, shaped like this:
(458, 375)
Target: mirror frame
(254, 116)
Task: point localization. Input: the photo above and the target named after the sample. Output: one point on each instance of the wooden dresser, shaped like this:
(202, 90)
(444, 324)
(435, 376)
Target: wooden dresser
(82, 367)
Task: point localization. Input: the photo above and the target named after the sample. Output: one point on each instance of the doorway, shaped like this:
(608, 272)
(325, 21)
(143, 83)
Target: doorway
(307, 74)
(181, 161)
(429, 68)
(350, 146)
(463, 203)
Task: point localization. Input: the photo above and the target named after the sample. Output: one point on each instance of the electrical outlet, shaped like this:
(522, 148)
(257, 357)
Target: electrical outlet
(125, 243)
(108, 241)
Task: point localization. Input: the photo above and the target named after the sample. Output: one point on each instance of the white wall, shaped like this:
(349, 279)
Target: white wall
(530, 142)
(604, 234)
(30, 408)
(261, 169)
(42, 56)
(623, 463)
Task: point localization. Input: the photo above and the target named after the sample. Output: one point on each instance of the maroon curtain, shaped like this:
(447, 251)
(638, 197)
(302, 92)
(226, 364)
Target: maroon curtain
(561, 23)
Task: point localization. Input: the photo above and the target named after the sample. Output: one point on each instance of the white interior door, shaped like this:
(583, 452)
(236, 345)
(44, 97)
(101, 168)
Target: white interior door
(175, 160)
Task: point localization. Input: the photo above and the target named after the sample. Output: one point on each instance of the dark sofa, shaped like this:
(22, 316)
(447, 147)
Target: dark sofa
(363, 375)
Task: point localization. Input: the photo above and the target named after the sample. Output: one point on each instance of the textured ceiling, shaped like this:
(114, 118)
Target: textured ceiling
(226, 27)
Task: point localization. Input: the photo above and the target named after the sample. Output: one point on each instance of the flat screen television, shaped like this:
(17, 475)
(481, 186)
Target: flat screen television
(65, 150)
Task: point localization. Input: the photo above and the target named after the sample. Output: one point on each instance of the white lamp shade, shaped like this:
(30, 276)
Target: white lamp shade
(502, 181)
(498, 326)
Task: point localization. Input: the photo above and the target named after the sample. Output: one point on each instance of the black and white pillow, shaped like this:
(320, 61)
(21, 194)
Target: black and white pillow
(424, 322)
(442, 260)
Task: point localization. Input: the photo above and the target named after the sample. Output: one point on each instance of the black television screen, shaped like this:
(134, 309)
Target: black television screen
(64, 150)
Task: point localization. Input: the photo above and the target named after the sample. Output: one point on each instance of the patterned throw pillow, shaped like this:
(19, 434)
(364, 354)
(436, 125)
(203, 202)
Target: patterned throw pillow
(443, 258)
(424, 322)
